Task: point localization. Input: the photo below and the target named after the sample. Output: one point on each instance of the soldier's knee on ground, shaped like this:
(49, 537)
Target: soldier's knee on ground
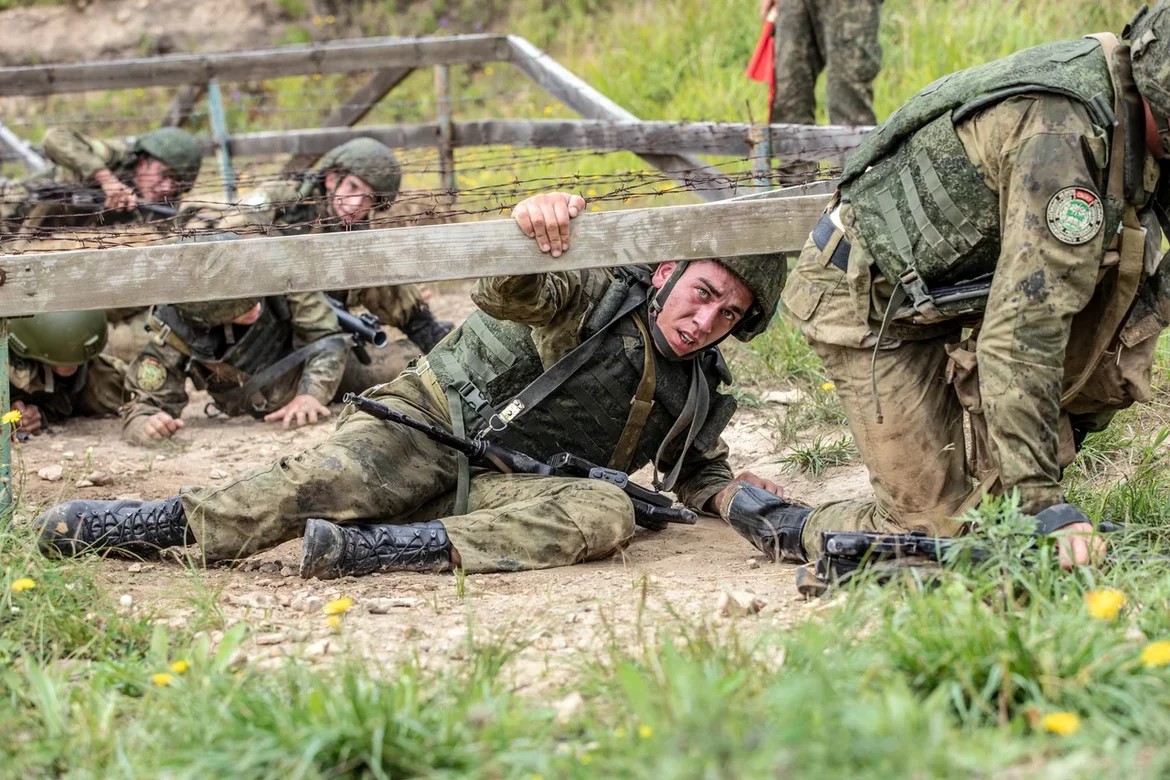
(603, 514)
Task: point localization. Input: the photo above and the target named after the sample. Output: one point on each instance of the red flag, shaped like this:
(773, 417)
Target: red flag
(762, 66)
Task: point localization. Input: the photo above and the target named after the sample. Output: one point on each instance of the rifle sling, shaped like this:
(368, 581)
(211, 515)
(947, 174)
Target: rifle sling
(640, 405)
(262, 379)
(463, 480)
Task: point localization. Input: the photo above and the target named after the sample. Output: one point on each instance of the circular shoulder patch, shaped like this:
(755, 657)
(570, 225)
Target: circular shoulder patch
(150, 374)
(1075, 215)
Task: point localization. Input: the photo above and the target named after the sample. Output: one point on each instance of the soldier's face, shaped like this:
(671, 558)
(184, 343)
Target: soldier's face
(249, 317)
(350, 198)
(154, 181)
(706, 303)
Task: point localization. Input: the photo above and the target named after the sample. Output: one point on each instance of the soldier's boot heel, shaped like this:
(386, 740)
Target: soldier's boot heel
(330, 550)
(768, 521)
(424, 330)
(127, 527)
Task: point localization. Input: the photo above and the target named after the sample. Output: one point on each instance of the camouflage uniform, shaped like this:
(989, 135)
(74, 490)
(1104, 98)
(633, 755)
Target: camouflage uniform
(96, 390)
(222, 358)
(290, 208)
(836, 36)
(75, 160)
(1002, 171)
(373, 471)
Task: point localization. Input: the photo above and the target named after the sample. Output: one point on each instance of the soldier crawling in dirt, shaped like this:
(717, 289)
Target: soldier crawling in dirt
(620, 367)
(339, 194)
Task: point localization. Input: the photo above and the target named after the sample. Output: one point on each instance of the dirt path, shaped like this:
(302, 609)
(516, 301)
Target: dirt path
(556, 614)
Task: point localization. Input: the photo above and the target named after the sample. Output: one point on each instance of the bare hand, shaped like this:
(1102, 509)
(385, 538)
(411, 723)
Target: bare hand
(546, 218)
(1079, 544)
(31, 420)
(750, 479)
(766, 7)
(155, 428)
(119, 197)
(302, 410)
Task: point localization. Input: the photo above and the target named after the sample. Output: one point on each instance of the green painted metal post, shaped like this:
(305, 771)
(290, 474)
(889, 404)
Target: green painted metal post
(761, 156)
(219, 132)
(5, 431)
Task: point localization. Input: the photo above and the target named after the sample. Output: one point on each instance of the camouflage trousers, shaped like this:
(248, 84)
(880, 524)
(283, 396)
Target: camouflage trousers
(394, 305)
(370, 471)
(839, 37)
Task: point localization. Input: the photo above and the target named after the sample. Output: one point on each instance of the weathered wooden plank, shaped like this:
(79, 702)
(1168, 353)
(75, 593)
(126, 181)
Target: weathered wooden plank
(353, 110)
(179, 112)
(591, 104)
(793, 142)
(263, 266)
(177, 69)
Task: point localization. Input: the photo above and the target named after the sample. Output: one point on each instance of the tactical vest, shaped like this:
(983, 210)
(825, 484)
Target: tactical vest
(488, 361)
(222, 366)
(923, 211)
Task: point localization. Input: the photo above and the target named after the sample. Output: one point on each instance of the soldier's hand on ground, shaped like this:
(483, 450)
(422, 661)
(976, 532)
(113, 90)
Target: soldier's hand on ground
(545, 218)
(119, 197)
(31, 420)
(1079, 544)
(152, 429)
(302, 410)
(751, 479)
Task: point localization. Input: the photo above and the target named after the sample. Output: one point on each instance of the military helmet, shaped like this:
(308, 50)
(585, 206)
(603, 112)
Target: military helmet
(60, 338)
(764, 275)
(177, 148)
(209, 314)
(369, 160)
(1149, 37)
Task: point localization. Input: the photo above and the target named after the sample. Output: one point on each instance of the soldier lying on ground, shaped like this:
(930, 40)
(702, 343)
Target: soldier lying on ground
(620, 367)
(340, 193)
(282, 358)
(57, 372)
(1022, 199)
(155, 168)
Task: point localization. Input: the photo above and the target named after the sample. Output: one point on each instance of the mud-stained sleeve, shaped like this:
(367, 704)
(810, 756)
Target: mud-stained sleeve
(261, 211)
(80, 155)
(313, 319)
(531, 299)
(155, 382)
(1047, 167)
(702, 476)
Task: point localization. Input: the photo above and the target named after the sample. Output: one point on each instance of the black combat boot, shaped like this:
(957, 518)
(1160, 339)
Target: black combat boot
(330, 550)
(424, 330)
(769, 522)
(128, 527)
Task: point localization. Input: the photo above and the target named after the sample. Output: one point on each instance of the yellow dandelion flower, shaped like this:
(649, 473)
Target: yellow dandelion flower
(1104, 604)
(179, 667)
(828, 386)
(22, 584)
(487, 71)
(333, 621)
(586, 758)
(317, 21)
(645, 732)
(1156, 654)
(11, 417)
(548, 110)
(338, 606)
(162, 679)
(1062, 723)
(331, 19)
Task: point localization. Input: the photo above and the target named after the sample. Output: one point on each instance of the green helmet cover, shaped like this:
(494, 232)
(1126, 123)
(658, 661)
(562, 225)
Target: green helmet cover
(764, 275)
(209, 314)
(177, 148)
(371, 161)
(60, 338)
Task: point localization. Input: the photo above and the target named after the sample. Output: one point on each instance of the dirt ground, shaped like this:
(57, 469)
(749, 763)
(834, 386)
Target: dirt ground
(556, 615)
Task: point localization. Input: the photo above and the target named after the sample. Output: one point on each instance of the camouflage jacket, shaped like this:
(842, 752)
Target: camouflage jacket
(156, 380)
(95, 390)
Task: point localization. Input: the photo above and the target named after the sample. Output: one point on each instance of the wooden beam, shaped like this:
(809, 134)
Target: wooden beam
(110, 278)
(178, 69)
(793, 142)
(353, 110)
(183, 104)
(591, 104)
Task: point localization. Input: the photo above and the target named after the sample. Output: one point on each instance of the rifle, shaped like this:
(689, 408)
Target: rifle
(652, 509)
(365, 329)
(88, 201)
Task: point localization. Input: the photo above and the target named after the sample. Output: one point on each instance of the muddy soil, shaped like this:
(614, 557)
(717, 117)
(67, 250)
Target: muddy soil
(660, 582)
